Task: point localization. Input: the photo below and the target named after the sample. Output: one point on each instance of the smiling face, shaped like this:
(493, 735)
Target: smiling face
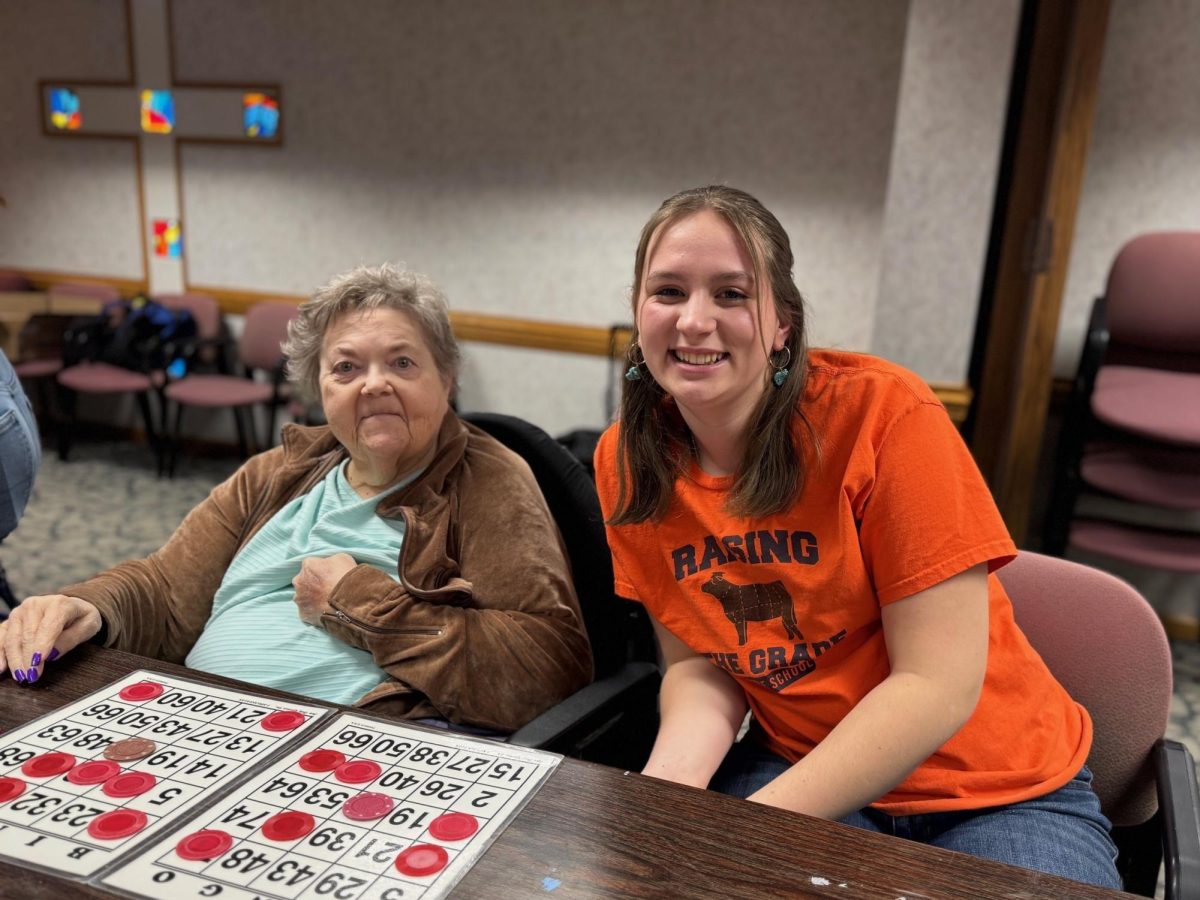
(705, 327)
(382, 394)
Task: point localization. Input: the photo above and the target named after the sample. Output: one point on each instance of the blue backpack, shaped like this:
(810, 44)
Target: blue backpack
(138, 334)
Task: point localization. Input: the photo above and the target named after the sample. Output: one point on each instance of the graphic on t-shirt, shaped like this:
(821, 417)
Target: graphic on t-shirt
(753, 603)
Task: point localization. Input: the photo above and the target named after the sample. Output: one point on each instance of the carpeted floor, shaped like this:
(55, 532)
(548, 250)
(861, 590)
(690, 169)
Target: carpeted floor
(103, 506)
(106, 505)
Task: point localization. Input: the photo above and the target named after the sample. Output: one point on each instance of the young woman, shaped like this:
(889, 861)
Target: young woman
(815, 544)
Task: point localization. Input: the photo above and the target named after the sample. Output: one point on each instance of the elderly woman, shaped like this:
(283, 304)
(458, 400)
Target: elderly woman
(397, 559)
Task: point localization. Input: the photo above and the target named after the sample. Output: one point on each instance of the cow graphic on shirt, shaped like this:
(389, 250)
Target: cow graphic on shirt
(753, 603)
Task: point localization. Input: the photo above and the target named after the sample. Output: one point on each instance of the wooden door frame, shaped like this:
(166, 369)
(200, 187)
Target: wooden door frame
(1052, 104)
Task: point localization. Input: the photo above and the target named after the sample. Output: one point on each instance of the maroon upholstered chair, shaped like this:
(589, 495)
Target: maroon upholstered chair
(259, 350)
(1106, 646)
(205, 311)
(13, 281)
(1132, 427)
(98, 377)
(73, 299)
(39, 360)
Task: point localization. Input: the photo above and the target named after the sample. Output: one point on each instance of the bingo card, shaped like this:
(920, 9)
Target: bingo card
(365, 809)
(86, 783)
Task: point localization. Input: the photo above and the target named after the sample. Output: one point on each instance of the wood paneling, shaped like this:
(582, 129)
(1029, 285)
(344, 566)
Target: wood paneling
(43, 280)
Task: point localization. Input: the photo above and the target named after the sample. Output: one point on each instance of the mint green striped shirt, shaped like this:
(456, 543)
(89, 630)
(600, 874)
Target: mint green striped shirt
(255, 632)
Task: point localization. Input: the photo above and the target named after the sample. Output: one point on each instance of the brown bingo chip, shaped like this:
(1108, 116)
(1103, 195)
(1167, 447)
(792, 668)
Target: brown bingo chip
(129, 749)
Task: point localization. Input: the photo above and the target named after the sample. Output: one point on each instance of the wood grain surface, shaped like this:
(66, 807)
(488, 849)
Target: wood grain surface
(593, 831)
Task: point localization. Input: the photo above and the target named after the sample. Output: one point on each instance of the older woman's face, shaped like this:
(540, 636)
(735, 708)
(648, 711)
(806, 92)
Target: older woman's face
(381, 390)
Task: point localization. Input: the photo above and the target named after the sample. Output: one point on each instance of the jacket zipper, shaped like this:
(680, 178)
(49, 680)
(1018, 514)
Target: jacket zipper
(338, 614)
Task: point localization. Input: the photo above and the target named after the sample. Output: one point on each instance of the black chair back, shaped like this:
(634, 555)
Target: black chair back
(619, 631)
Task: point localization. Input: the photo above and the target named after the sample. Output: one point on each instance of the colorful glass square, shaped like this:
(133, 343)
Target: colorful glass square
(168, 238)
(65, 114)
(158, 112)
(260, 116)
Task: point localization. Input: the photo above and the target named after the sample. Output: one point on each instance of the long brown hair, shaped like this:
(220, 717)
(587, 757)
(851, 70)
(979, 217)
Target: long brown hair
(655, 443)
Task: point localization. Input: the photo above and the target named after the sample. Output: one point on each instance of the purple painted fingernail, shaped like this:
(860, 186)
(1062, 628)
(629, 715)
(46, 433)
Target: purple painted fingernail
(32, 675)
(19, 675)
(53, 654)
(37, 659)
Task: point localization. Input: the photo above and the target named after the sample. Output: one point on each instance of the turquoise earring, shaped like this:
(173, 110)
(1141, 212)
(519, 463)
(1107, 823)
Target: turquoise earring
(634, 373)
(781, 368)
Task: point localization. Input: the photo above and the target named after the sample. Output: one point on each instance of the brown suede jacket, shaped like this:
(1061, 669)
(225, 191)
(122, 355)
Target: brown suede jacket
(483, 627)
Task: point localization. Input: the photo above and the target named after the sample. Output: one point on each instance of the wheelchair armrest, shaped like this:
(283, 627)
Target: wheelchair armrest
(588, 709)
(1179, 806)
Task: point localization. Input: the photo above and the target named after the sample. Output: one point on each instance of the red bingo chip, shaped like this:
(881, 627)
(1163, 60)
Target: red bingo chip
(367, 806)
(143, 690)
(11, 788)
(321, 760)
(288, 825)
(48, 764)
(117, 823)
(94, 771)
(129, 784)
(357, 771)
(422, 859)
(454, 826)
(205, 844)
(283, 720)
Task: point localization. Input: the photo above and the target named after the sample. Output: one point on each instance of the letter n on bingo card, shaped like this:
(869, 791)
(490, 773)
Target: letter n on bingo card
(90, 782)
(363, 810)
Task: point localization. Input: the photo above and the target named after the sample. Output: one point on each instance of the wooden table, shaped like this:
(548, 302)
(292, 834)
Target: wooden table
(17, 306)
(601, 832)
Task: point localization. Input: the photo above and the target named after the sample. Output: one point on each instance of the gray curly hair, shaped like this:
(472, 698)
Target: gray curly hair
(368, 288)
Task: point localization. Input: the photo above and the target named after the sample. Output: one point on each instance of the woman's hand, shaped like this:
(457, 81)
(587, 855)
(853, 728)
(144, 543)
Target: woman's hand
(41, 629)
(315, 582)
(701, 709)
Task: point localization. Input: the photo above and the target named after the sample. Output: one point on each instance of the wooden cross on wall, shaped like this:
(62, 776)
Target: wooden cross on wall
(137, 110)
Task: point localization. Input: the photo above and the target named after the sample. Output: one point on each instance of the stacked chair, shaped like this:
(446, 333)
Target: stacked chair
(1131, 432)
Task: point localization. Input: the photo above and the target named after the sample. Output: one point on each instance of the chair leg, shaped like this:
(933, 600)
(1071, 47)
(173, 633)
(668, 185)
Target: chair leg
(40, 390)
(67, 400)
(143, 400)
(176, 440)
(49, 409)
(164, 422)
(241, 431)
(1057, 526)
(270, 426)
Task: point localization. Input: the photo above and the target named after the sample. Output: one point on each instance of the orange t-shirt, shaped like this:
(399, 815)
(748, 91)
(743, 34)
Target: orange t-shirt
(789, 605)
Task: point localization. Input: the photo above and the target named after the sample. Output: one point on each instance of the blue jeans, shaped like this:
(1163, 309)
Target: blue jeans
(20, 451)
(1062, 833)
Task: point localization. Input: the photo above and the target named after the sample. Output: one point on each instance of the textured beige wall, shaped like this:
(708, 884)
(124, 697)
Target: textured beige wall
(1143, 168)
(949, 129)
(72, 205)
(513, 149)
